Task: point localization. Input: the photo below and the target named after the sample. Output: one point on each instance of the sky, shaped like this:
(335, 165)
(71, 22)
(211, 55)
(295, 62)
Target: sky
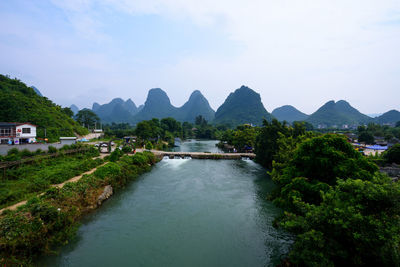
(303, 53)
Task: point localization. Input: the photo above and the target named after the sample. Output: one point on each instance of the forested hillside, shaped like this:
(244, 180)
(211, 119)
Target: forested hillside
(20, 103)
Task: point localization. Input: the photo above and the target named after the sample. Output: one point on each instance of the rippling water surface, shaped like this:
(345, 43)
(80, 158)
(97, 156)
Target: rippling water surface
(184, 212)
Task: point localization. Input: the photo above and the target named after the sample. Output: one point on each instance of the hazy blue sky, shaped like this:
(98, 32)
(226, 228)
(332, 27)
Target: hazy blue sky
(302, 53)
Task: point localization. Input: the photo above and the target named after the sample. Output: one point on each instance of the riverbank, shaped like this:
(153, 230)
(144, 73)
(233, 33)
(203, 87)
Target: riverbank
(51, 219)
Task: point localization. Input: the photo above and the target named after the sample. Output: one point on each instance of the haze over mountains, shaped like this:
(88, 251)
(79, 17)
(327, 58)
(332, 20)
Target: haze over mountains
(289, 113)
(241, 106)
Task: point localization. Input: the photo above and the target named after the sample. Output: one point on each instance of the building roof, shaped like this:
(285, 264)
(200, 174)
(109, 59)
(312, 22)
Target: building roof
(3, 124)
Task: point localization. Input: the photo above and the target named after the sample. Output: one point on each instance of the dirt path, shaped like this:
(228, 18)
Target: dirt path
(73, 179)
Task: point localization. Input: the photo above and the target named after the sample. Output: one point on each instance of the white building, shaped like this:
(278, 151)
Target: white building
(17, 133)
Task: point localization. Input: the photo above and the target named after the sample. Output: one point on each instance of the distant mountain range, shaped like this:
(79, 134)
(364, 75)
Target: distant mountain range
(289, 113)
(241, 106)
(117, 110)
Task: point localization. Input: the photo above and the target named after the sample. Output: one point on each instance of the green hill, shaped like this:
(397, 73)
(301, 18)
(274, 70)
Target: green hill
(157, 105)
(337, 114)
(117, 110)
(195, 106)
(20, 103)
(390, 117)
(242, 106)
(288, 113)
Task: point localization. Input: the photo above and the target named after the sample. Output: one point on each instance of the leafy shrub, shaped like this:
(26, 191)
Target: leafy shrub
(110, 169)
(12, 157)
(13, 151)
(65, 147)
(149, 145)
(26, 153)
(39, 151)
(52, 149)
(115, 155)
(127, 149)
(139, 159)
(392, 155)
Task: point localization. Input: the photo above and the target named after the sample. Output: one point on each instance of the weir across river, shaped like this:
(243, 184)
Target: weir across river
(202, 155)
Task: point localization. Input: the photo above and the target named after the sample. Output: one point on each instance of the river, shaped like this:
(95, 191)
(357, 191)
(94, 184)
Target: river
(184, 212)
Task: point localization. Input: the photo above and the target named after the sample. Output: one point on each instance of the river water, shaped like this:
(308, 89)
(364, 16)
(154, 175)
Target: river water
(184, 212)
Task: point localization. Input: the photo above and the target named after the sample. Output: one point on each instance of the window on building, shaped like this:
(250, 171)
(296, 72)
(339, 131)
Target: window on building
(26, 130)
(5, 132)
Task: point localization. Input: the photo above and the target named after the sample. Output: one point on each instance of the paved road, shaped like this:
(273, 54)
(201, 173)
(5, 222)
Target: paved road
(31, 147)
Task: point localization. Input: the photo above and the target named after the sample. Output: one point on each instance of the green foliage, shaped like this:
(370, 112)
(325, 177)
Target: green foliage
(356, 224)
(341, 209)
(244, 137)
(149, 145)
(314, 166)
(87, 118)
(52, 149)
(118, 130)
(392, 155)
(366, 134)
(108, 170)
(115, 155)
(68, 112)
(21, 104)
(28, 179)
(127, 149)
(266, 142)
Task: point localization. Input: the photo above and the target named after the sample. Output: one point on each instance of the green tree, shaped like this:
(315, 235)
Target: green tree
(67, 111)
(87, 117)
(357, 224)
(199, 120)
(246, 136)
(392, 155)
(314, 167)
(266, 141)
(366, 137)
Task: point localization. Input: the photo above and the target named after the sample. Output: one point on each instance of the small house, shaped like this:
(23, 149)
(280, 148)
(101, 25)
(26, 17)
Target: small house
(15, 133)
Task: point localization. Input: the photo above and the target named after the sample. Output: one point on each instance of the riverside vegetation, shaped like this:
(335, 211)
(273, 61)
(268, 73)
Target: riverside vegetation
(341, 209)
(26, 180)
(51, 219)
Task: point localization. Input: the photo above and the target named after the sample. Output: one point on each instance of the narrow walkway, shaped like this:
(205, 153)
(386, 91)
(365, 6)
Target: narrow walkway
(73, 179)
(201, 155)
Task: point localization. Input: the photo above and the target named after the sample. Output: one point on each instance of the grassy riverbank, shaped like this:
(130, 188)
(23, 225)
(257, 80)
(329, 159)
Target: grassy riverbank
(50, 220)
(23, 181)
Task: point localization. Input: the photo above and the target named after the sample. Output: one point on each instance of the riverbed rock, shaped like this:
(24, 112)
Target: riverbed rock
(107, 192)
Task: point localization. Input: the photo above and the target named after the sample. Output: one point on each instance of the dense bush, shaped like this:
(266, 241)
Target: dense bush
(392, 155)
(127, 149)
(52, 149)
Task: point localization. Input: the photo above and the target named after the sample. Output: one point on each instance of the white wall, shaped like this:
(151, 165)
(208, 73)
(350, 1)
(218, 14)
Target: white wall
(22, 135)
